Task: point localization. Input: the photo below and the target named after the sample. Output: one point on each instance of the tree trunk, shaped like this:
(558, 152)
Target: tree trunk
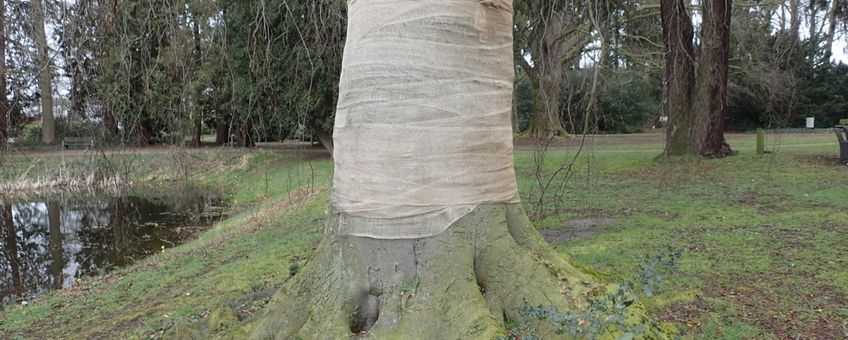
(5, 112)
(45, 86)
(561, 42)
(77, 109)
(197, 110)
(831, 30)
(696, 105)
(679, 76)
(142, 135)
(372, 273)
(244, 134)
(710, 104)
(469, 280)
(244, 137)
(222, 132)
(110, 124)
(547, 118)
(795, 20)
(814, 38)
(198, 132)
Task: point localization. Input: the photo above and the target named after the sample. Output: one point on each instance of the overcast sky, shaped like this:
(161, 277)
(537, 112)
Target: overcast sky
(839, 46)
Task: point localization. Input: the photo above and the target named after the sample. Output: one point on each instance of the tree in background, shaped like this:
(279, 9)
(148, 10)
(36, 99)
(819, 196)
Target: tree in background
(153, 64)
(143, 72)
(763, 79)
(553, 35)
(283, 62)
(45, 74)
(83, 42)
(835, 10)
(696, 99)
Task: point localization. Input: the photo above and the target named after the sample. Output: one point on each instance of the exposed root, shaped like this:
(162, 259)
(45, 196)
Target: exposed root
(319, 300)
(464, 283)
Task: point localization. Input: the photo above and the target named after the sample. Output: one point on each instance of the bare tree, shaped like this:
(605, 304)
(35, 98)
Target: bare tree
(553, 35)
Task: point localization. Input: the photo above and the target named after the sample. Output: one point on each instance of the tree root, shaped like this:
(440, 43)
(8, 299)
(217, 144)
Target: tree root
(467, 282)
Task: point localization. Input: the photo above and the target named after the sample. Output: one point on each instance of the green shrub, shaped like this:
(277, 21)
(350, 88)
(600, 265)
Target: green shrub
(30, 134)
(627, 102)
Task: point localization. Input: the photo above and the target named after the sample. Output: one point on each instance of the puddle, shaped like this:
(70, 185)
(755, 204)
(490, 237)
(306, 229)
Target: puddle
(49, 245)
(576, 229)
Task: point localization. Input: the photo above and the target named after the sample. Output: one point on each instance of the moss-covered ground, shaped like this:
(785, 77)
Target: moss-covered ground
(764, 237)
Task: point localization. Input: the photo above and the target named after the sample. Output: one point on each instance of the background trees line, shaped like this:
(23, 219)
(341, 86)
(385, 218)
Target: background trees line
(169, 71)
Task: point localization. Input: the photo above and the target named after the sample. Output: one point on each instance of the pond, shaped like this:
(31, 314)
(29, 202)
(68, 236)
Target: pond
(50, 245)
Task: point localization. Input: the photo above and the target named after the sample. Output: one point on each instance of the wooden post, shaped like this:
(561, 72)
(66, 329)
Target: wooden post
(761, 142)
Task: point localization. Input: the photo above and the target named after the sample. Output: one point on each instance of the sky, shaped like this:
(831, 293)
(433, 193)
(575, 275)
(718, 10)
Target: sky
(839, 53)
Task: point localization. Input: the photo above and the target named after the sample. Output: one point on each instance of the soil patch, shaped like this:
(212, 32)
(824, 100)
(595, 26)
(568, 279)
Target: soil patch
(577, 229)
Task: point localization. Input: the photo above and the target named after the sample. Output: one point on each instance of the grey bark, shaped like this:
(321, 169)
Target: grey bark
(45, 86)
(555, 42)
(795, 19)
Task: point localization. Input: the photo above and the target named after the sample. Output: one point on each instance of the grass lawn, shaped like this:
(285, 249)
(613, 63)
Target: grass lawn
(764, 237)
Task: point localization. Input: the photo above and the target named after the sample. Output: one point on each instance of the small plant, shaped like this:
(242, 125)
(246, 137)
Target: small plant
(409, 288)
(294, 268)
(653, 272)
(30, 134)
(605, 314)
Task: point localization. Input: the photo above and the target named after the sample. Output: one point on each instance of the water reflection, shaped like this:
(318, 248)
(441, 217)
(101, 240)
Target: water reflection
(49, 245)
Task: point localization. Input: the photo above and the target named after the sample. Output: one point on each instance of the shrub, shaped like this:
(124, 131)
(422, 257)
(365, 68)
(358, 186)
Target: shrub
(627, 102)
(30, 134)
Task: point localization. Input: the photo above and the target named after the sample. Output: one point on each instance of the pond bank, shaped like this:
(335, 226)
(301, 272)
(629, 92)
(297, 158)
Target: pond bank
(279, 202)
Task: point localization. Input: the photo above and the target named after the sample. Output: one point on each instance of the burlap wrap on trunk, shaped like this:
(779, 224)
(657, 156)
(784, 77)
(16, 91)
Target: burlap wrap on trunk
(423, 130)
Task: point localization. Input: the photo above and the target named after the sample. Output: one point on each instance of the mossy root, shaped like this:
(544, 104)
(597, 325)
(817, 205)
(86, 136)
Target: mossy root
(464, 283)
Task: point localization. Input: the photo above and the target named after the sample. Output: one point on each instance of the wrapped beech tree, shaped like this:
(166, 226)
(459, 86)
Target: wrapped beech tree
(426, 237)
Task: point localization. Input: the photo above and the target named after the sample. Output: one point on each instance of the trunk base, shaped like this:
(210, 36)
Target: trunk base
(468, 282)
